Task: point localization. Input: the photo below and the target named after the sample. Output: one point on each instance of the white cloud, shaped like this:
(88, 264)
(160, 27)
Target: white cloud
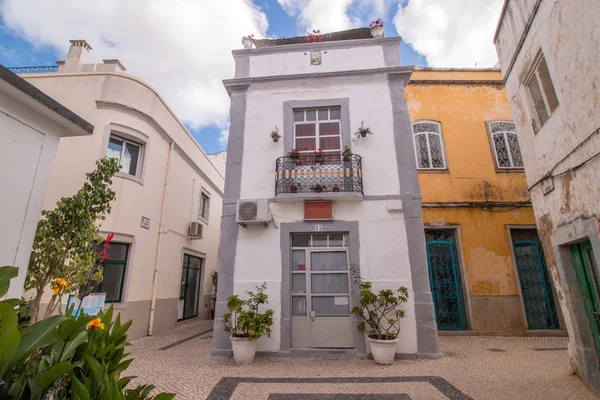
(224, 137)
(451, 33)
(180, 47)
(326, 16)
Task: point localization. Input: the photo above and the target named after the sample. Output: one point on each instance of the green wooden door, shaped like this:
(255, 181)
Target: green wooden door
(585, 268)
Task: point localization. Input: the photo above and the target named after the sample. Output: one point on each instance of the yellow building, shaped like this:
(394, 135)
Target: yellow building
(486, 264)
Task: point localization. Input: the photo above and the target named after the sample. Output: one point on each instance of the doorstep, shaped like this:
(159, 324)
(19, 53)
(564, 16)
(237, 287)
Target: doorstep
(531, 333)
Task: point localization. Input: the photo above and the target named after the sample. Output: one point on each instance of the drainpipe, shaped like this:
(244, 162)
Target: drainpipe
(158, 244)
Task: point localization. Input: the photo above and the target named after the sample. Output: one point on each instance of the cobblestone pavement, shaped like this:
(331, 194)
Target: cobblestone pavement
(472, 368)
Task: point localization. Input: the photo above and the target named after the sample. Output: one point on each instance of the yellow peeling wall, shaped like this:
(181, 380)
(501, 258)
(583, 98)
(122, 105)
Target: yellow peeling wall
(463, 106)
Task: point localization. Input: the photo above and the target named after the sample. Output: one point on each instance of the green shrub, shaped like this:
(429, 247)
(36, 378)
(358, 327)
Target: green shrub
(248, 323)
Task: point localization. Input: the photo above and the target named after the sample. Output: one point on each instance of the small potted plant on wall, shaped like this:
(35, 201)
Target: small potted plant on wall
(362, 131)
(248, 41)
(275, 135)
(346, 153)
(381, 314)
(318, 188)
(314, 36)
(294, 188)
(336, 188)
(376, 28)
(246, 324)
(215, 278)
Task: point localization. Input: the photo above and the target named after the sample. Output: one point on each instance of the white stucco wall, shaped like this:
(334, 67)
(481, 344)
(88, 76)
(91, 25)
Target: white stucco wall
(134, 199)
(568, 35)
(298, 62)
(383, 247)
(219, 160)
(28, 143)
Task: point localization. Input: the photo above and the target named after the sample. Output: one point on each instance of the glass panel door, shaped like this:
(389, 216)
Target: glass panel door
(189, 296)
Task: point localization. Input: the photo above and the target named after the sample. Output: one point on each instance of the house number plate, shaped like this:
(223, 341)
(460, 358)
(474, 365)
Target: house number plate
(318, 228)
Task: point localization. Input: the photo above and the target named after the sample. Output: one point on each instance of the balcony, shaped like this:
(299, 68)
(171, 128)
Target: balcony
(325, 177)
(33, 70)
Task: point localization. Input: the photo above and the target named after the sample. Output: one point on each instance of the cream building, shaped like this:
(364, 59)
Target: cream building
(166, 217)
(31, 126)
(548, 52)
(299, 225)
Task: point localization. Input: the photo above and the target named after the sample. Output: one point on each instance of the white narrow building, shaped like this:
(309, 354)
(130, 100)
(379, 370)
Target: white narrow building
(31, 126)
(166, 216)
(300, 224)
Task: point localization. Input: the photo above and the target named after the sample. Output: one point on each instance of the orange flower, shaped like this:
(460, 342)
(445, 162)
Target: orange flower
(58, 285)
(95, 323)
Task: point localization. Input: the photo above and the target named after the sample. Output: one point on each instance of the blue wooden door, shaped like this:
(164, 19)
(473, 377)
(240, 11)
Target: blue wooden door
(535, 285)
(445, 280)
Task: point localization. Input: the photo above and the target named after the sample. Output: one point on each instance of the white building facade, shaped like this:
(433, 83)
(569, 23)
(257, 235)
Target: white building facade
(326, 213)
(166, 216)
(548, 52)
(31, 126)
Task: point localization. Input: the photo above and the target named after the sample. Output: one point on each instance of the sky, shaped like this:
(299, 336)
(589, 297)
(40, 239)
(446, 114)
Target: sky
(183, 47)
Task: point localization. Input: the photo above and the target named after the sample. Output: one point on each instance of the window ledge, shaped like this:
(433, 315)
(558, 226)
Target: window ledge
(289, 197)
(203, 220)
(433, 171)
(509, 170)
(130, 177)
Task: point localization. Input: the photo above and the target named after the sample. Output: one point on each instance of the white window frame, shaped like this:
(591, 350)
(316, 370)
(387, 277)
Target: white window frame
(443, 147)
(204, 195)
(495, 151)
(317, 124)
(534, 74)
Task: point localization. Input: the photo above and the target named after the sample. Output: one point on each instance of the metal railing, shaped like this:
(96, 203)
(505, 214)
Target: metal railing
(33, 70)
(319, 174)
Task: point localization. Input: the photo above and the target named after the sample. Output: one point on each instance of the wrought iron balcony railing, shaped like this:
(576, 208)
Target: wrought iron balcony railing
(33, 70)
(319, 174)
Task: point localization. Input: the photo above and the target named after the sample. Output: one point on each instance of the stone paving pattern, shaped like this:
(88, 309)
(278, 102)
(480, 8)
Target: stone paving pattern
(521, 371)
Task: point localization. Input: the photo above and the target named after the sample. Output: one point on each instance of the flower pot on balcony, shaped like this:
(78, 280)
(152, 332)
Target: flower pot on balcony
(346, 158)
(377, 31)
(319, 159)
(294, 189)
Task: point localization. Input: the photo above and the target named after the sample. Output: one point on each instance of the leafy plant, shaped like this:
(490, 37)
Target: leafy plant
(362, 131)
(275, 133)
(248, 322)
(380, 311)
(294, 154)
(64, 240)
(62, 357)
(346, 153)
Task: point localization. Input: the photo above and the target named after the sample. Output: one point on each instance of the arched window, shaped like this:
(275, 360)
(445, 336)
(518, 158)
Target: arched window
(505, 145)
(429, 148)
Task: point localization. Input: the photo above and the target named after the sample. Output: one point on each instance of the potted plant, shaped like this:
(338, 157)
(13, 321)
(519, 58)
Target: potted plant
(248, 41)
(319, 156)
(246, 324)
(362, 131)
(376, 28)
(336, 188)
(294, 188)
(294, 155)
(275, 135)
(381, 316)
(215, 278)
(318, 188)
(346, 153)
(314, 36)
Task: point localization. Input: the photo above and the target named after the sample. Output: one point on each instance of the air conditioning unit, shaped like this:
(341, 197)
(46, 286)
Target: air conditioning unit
(195, 230)
(253, 212)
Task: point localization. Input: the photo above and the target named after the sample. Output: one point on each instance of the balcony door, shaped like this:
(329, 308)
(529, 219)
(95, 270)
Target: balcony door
(189, 292)
(321, 292)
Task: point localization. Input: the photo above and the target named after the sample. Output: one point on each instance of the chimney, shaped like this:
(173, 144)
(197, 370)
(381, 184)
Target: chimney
(77, 57)
(112, 65)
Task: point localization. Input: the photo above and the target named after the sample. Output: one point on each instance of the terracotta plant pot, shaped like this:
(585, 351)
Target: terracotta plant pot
(383, 351)
(293, 189)
(244, 350)
(346, 158)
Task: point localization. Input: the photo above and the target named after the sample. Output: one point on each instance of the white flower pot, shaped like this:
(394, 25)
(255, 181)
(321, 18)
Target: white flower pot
(377, 31)
(383, 351)
(247, 42)
(243, 350)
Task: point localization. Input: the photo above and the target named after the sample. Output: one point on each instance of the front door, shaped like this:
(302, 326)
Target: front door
(321, 292)
(445, 279)
(587, 275)
(536, 289)
(189, 293)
